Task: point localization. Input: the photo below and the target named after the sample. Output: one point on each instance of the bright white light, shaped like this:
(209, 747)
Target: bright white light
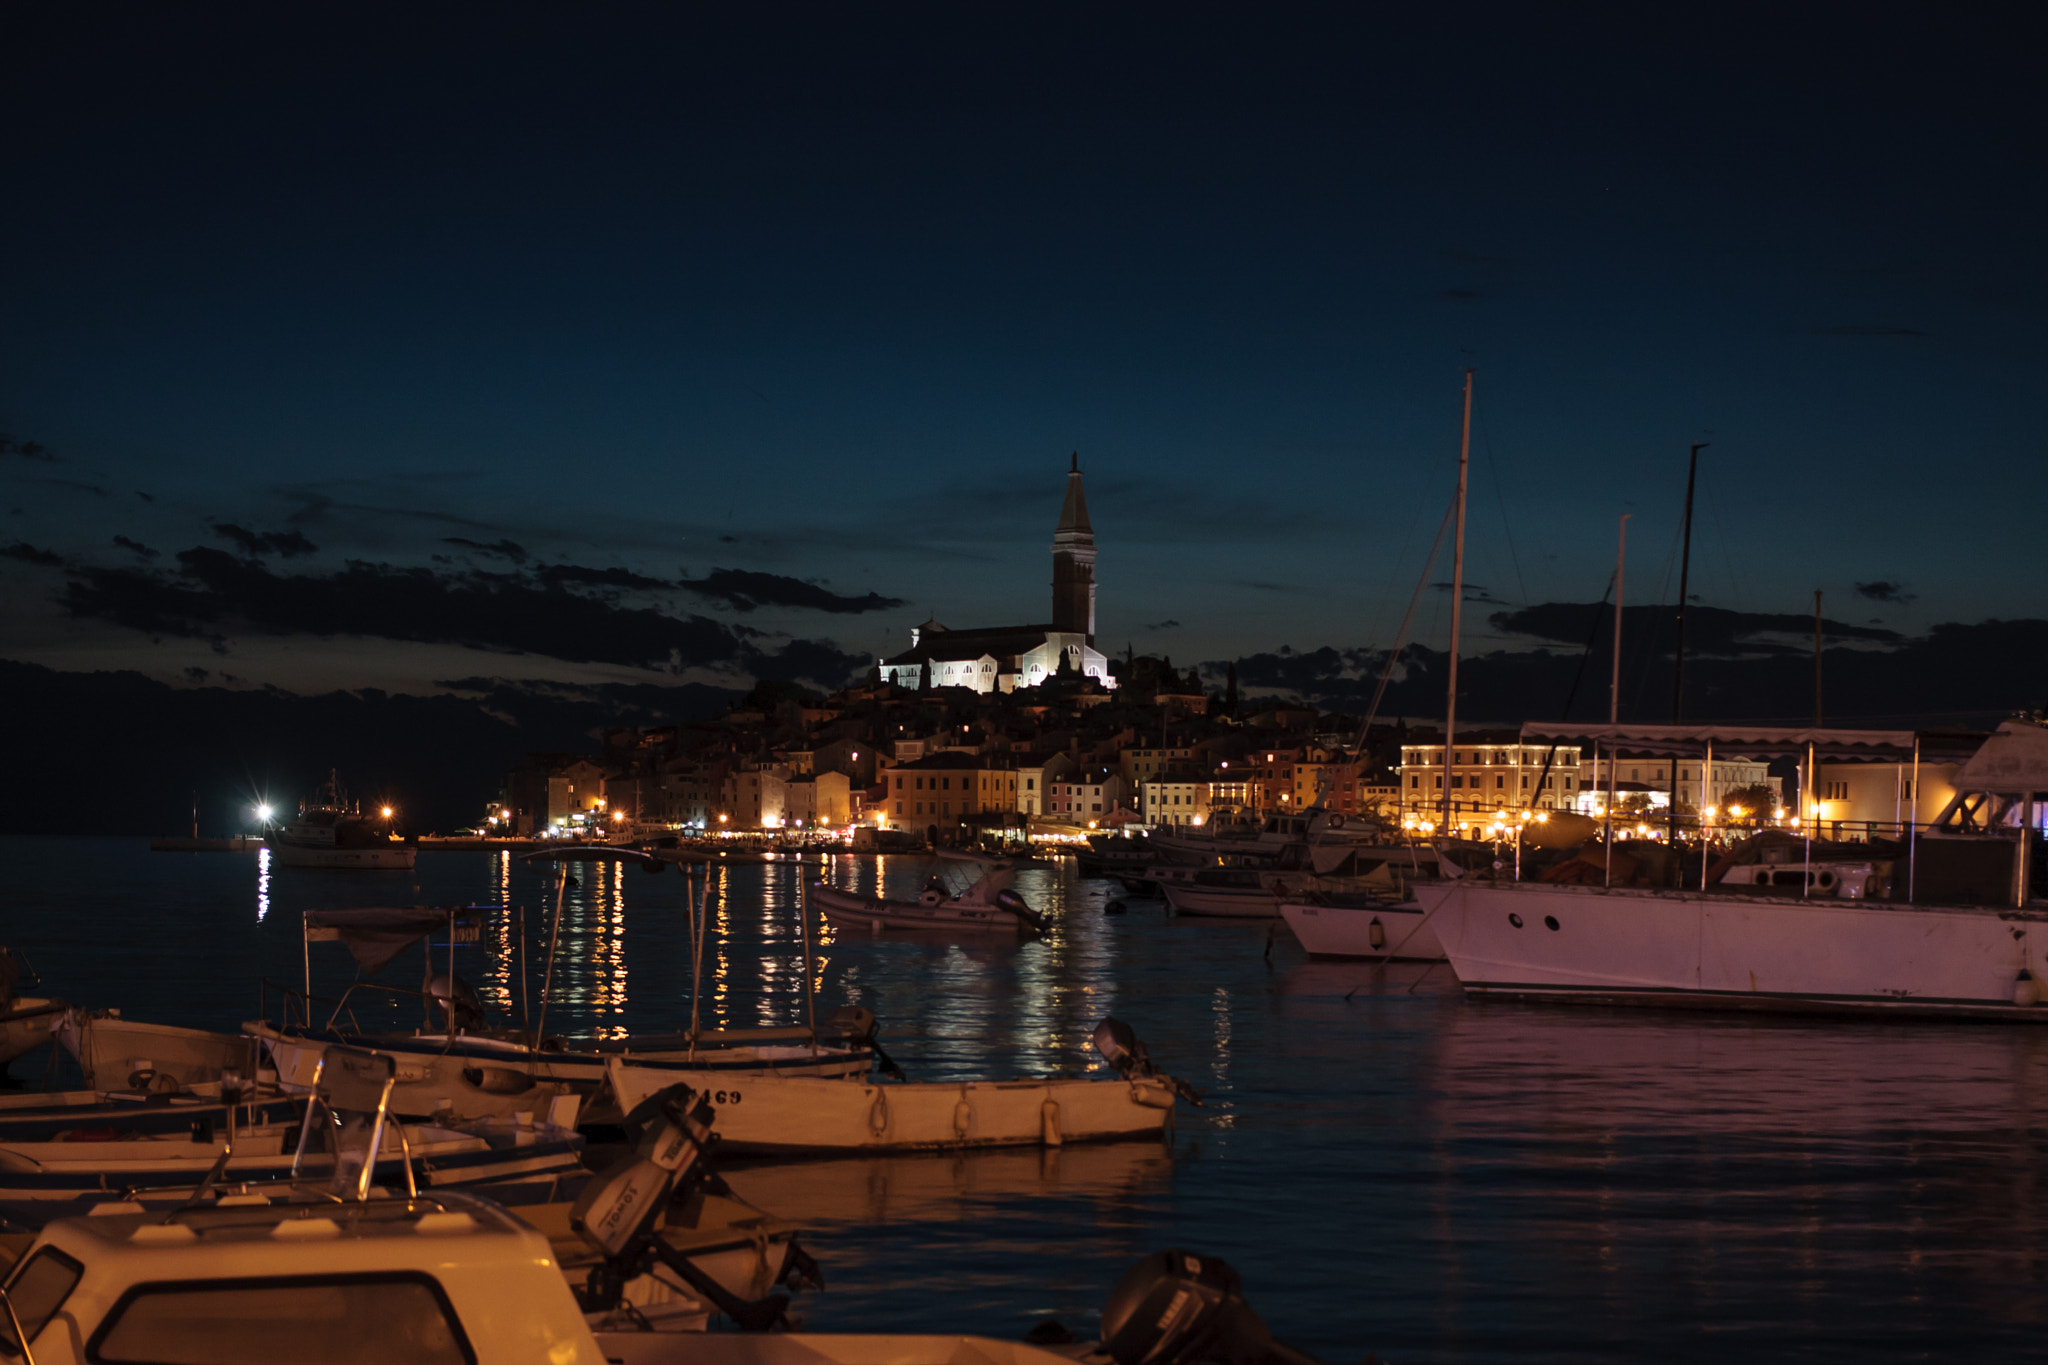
(263, 811)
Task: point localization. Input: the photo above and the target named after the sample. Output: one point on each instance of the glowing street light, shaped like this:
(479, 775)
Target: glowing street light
(387, 812)
(263, 812)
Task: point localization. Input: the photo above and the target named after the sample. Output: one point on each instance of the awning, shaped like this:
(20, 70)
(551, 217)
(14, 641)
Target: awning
(375, 936)
(2012, 762)
(1758, 741)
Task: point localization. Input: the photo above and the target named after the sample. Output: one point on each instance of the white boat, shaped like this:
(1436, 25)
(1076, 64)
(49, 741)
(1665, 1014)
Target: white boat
(1386, 931)
(459, 1065)
(1811, 936)
(26, 1021)
(113, 1052)
(988, 905)
(774, 1114)
(445, 1278)
(330, 833)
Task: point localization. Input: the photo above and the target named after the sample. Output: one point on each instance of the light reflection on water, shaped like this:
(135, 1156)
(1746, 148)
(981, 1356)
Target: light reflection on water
(1401, 1172)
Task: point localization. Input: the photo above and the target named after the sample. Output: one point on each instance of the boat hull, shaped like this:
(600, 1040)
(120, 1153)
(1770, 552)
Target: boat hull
(1406, 933)
(868, 912)
(396, 858)
(1220, 903)
(795, 1114)
(475, 1078)
(27, 1025)
(110, 1049)
(1596, 945)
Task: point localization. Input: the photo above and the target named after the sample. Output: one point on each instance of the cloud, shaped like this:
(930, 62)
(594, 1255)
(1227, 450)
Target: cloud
(1708, 630)
(509, 549)
(1474, 592)
(1168, 624)
(253, 543)
(214, 595)
(575, 575)
(146, 497)
(27, 450)
(1258, 586)
(29, 554)
(744, 590)
(137, 546)
(1868, 329)
(1885, 590)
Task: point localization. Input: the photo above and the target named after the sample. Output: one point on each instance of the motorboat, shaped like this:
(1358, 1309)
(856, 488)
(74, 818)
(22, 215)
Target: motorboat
(1369, 927)
(457, 1062)
(441, 1276)
(1854, 932)
(331, 833)
(158, 1107)
(26, 1021)
(347, 1135)
(987, 905)
(114, 1052)
(783, 1114)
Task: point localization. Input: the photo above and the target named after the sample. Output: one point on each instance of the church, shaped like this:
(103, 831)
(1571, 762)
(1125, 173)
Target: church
(1005, 658)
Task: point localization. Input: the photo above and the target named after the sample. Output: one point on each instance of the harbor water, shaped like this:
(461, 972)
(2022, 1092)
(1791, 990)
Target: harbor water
(1391, 1168)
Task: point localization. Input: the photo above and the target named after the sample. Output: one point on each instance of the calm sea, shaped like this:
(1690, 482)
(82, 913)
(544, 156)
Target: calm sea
(1398, 1171)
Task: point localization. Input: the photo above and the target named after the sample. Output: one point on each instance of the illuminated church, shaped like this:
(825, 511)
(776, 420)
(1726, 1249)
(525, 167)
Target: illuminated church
(1005, 658)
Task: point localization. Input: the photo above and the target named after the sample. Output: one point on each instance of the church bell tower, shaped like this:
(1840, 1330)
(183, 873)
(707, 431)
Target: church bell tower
(1073, 562)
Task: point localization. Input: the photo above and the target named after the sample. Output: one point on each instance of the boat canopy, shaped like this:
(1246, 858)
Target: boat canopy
(376, 935)
(1761, 741)
(2012, 762)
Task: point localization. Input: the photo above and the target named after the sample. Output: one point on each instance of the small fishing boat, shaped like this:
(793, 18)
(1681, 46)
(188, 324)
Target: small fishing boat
(781, 1114)
(988, 905)
(458, 1063)
(330, 833)
(356, 1143)
(1367, 927)
(114, 1052)
(25, 1020)
(118, 1115)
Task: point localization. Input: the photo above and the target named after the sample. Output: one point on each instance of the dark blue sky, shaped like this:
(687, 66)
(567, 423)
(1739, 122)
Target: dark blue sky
(829, 293)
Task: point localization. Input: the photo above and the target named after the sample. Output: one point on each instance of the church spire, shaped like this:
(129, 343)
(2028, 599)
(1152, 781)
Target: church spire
(1073, 561)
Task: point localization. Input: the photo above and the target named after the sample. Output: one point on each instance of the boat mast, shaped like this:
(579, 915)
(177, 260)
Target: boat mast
(1457, 601)
(1678, 663)
(1614, 688)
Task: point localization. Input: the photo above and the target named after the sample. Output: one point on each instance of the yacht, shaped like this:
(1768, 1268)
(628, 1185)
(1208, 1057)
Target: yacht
(330, 833)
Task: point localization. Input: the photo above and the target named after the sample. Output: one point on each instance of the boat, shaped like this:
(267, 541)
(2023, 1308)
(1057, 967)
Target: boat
(784, 1114)
(116, 1115)
(1816, 928)
(441, 1276)
(987, 905)
(1372, 928)
(330, 833)
(526, 1159)
(458, 1063)
(26, 1021)
(115, 1052)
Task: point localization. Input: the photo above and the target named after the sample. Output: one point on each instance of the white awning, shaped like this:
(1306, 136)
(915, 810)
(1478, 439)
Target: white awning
(1761, 741)
(2012, 762)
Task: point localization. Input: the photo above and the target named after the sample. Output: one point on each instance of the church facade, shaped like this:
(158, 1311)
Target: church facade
(1005, 658)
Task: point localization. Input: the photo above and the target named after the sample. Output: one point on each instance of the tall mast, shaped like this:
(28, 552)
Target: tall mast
(1614, 687)
(1457, 601)
(1678, 661)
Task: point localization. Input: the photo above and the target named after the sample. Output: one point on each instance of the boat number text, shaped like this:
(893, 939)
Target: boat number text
(725, 1097)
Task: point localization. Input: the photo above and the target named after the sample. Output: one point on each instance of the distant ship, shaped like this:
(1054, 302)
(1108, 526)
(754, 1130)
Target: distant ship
(330, 833)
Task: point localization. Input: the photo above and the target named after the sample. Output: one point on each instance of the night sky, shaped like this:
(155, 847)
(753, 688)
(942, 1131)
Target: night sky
(362, 347)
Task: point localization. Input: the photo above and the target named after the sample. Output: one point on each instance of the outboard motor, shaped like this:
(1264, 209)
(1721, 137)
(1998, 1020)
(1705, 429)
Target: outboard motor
(1177, 1308)
(857, 1026)
(461, 1007)
(1120, 1047)
(619, 1212)
(1021, 908)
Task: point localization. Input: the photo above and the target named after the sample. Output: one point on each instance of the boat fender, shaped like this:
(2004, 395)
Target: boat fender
(1049, 1123)
(498, 1080)
(1376, 933)
(2026, 990)
(878, 1113)
(1151, 1094)
(963, 1118)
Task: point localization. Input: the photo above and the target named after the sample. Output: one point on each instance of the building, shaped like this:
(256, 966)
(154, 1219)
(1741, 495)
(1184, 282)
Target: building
(1087, 797)
(1005, 658)
(1646, 782)
(1490, 771)
(1856, 800)
(1169, 801)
